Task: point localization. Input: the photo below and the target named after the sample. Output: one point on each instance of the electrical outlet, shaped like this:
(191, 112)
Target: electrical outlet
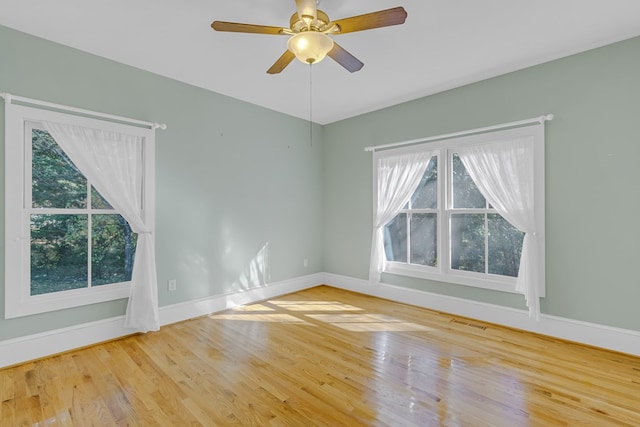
(305, 262)
(171, 284)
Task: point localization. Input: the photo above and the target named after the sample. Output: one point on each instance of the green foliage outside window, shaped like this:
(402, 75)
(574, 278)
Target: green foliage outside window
(60, 241)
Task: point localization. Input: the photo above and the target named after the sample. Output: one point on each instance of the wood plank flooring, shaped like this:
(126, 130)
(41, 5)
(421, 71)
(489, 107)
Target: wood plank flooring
(326, 357)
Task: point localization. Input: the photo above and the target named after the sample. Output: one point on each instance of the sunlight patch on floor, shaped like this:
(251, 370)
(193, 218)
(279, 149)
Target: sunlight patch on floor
(368, 323)
(344, 316)
(314, 306)
(254, 307)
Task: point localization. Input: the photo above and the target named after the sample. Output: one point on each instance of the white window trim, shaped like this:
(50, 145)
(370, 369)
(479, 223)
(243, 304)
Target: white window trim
(18, 301)
(443, 273)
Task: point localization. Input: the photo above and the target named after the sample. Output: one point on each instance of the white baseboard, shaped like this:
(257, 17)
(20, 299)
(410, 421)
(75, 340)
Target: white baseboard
(30, 347)
(22, 349)
(19, 350)
(617, 339)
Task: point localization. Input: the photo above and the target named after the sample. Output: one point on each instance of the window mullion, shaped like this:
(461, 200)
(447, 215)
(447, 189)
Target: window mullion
(486, 236)
(439, 206)
(409, 213)
(486, 243)
(446, 207)
(89, 235)
(27, 205)
(28, 166)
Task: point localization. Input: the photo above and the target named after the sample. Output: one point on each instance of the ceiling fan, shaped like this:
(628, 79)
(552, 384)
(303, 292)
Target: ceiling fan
(310, 29)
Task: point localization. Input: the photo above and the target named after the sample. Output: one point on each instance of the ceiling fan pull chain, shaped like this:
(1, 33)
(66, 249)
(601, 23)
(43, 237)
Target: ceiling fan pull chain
(310, 105)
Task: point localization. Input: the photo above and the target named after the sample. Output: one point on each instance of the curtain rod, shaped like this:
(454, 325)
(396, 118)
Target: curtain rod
(8, 98)
(541, 120)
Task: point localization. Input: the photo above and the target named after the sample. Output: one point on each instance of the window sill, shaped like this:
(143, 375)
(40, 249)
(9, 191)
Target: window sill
(26, 305)
(495, 283)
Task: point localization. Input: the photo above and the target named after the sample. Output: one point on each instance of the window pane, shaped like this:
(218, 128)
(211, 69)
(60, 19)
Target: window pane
(424, 242)
(465, 193)
(395, 239)
(56, 182)
(58, 253)
(467, 242)
(112, 251)
(426, 195)
(97, 201)
(505, 246)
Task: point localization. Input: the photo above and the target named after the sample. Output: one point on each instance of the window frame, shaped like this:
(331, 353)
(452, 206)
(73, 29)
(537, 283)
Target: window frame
(444, 150)
(18, 299)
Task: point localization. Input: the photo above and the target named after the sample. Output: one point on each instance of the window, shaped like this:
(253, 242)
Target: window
(449, 231)
(65, 244)
(412, 236)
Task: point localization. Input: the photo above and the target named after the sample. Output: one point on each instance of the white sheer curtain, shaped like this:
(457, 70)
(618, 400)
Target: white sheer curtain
(398, 177)
(112, 161)
(504, 174)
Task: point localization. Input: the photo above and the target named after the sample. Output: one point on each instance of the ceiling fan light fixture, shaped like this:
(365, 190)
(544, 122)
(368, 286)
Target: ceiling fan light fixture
(310, 46)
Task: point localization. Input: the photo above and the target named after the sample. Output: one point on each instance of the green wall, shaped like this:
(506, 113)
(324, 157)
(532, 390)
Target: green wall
(234, 181)
(592, 178)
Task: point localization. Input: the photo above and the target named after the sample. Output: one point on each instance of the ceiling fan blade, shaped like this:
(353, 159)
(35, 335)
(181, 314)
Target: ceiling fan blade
(236, 27)
(307, 9)
(344, 58)
(281, 63)
(382, 18)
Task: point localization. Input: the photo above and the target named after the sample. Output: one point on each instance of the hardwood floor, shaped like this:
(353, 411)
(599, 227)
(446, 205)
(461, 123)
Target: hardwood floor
(326, 357)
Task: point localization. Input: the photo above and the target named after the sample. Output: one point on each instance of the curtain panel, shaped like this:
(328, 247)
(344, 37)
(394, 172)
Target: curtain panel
(503, 171)
(112, 162)
(398, 177)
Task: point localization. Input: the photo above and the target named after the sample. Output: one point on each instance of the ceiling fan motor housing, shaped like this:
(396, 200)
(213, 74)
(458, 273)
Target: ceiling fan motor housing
(319, 24)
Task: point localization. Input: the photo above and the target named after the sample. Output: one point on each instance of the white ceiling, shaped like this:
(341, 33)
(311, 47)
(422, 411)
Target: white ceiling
(443, 44)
